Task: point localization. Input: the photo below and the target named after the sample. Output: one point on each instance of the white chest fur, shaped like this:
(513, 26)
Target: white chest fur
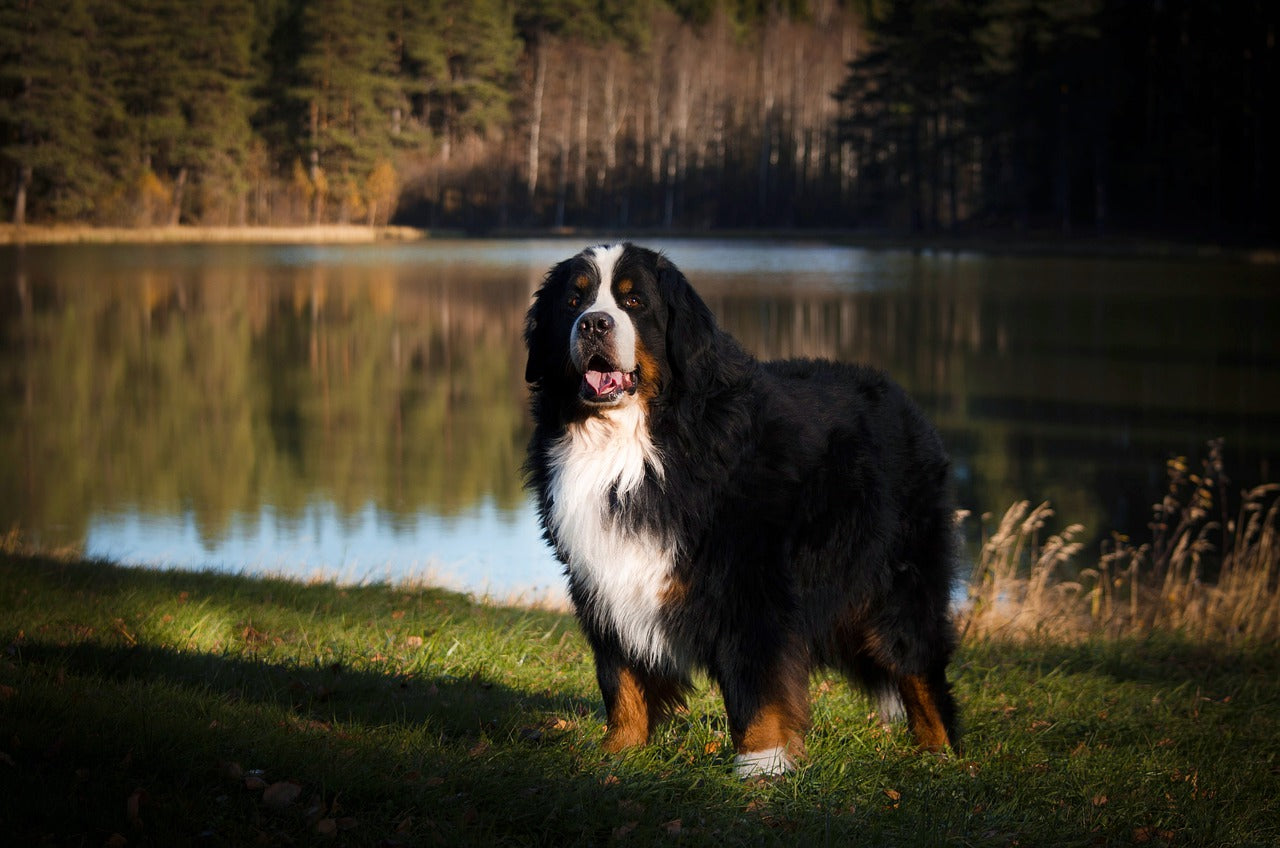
(625, 570)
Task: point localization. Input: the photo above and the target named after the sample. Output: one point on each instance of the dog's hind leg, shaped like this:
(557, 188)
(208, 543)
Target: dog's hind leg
(931, 710)
(916, 688)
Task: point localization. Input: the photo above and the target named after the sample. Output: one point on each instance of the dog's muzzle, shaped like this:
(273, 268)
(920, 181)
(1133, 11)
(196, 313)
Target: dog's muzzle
(606, 377)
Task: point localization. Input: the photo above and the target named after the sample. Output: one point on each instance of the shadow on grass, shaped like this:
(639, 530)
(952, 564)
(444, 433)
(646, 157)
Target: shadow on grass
(450, 761)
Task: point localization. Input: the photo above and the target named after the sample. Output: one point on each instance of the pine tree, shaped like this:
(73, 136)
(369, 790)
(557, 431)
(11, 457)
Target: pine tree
(346, 83)
(48, 108)
(212, 147)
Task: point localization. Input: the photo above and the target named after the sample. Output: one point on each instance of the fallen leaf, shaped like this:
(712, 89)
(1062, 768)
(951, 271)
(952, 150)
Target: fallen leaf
(254, 783)
(7, 692)
(623, 829)
(134, 804)
(281, 794)
(397, 614)
(414, 641)
(1099, 800)
(711, 747)
(115, 840)
(405, 825)
(673, 827)
(894, 795)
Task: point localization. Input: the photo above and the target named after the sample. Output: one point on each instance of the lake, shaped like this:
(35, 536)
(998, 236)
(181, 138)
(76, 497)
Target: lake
(359, 412)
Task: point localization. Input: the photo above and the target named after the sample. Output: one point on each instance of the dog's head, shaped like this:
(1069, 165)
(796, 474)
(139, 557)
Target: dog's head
(615, 325)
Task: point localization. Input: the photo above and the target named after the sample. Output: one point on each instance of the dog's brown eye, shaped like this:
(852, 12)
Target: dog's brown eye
(631, 301)
(574, 300)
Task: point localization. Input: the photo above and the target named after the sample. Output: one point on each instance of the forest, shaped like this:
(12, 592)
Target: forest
(902, 116)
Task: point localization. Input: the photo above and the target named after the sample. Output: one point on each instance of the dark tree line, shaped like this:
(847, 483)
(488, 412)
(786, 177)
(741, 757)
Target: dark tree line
(1069, 114)
(941, 116)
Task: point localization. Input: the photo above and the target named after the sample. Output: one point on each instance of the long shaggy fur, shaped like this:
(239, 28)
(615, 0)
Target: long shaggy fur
(753, 520)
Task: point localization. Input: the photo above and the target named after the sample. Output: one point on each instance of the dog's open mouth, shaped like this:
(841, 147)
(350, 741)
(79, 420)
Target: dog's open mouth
(602, 383)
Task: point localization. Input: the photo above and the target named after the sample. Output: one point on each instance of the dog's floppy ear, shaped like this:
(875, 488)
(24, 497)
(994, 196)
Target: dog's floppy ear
(691, 328)
(538, 321)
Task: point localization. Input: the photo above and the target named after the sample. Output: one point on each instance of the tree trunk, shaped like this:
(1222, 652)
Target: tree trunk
(179, 189)
(20, 195)
(580, 142)
(313, 169)
(535, 118)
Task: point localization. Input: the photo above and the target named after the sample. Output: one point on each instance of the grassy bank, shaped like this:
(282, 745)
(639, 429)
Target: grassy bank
(168, 708)
(323, 234)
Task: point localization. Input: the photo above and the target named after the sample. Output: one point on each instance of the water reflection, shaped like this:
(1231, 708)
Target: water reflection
(347, 408)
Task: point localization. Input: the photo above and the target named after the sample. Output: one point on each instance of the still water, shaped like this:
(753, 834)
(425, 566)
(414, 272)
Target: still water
(359, 412)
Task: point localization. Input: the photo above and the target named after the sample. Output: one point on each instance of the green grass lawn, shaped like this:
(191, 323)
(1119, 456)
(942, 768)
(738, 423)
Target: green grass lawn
(168, 708)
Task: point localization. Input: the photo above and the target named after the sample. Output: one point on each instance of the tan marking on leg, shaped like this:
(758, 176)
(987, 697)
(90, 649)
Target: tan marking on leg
(641, 704)
(777, 729)
(922, 713)
(774, 726)
(628, 715)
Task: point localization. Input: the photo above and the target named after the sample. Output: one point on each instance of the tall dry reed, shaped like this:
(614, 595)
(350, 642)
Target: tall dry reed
(1205, 573)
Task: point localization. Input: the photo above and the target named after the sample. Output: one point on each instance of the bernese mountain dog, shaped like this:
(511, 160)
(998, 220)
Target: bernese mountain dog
(752, 520)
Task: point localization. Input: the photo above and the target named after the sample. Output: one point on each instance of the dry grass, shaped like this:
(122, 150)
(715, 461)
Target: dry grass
(1204, 574)
(320, 234)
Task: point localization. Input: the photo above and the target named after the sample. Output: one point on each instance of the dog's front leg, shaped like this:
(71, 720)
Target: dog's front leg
(768, 707)
(635, 702)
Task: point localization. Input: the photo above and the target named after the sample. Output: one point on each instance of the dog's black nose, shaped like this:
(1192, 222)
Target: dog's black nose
(595, 324)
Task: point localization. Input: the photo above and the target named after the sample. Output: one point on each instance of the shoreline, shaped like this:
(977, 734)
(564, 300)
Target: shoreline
(991, 243)
(322, 234)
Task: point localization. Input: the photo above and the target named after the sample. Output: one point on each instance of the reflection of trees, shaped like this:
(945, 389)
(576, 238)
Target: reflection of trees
(219, 388)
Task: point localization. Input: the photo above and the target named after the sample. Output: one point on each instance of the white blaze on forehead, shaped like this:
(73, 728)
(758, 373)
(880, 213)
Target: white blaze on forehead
(605, 258)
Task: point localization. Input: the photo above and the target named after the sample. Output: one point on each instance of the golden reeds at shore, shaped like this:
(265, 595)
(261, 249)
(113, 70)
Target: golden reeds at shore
(1205, 574)
(318, 234)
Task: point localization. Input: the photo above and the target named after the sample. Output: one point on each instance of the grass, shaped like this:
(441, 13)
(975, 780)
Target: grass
(167, 708)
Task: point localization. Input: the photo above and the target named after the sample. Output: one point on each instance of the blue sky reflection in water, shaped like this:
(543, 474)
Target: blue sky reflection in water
(485, 550)
(360, 411)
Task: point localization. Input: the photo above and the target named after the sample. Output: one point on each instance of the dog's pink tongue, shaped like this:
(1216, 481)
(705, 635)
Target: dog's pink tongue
(603, 383)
